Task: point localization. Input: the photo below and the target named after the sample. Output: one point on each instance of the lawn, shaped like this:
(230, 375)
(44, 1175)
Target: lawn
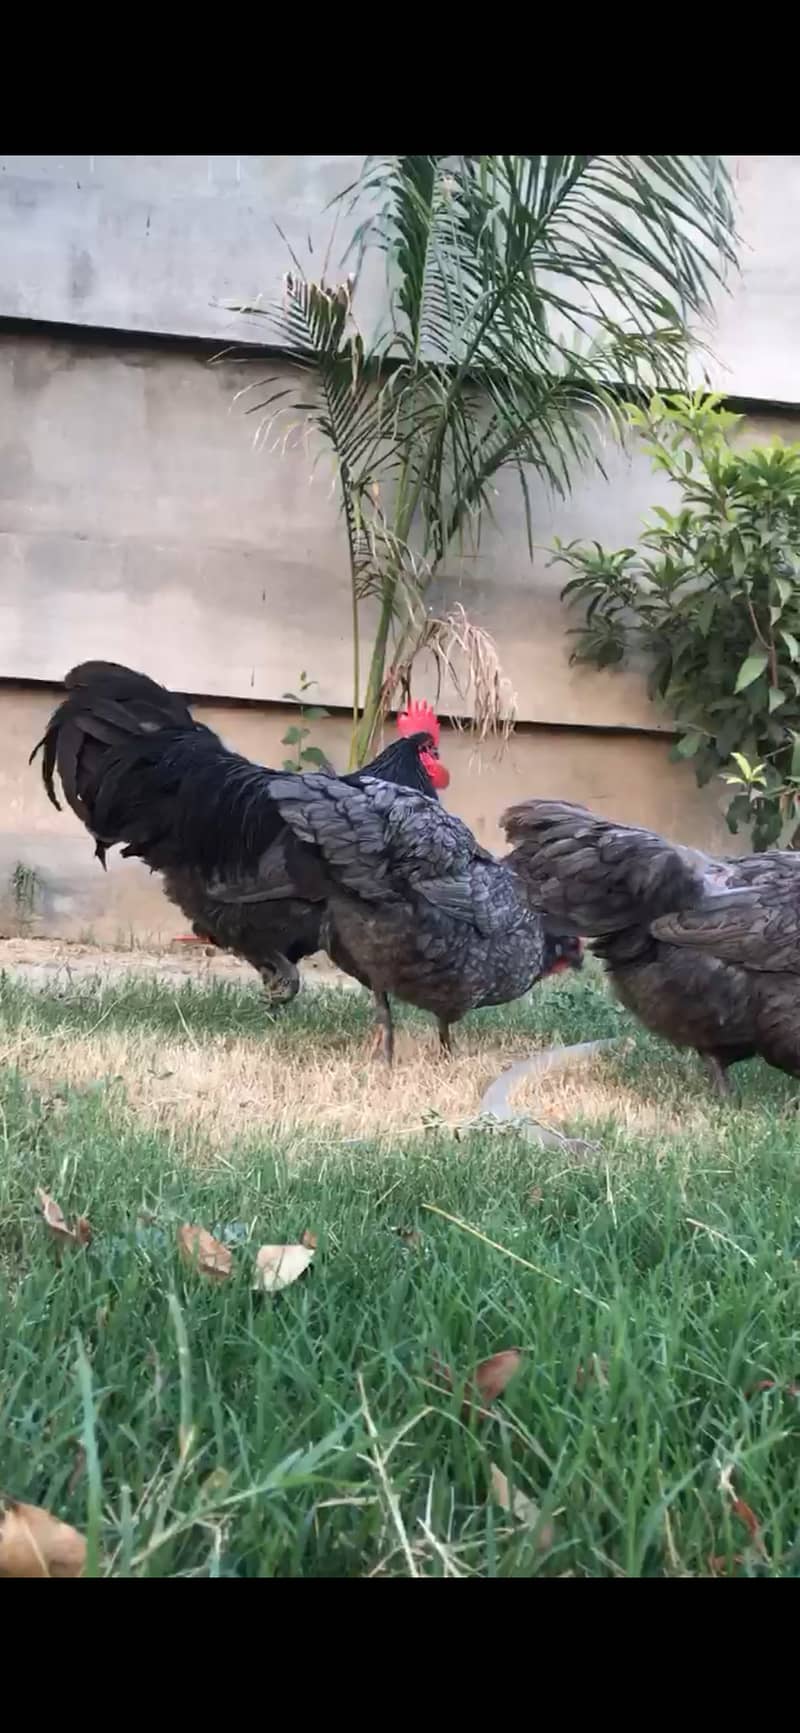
(191, 1426)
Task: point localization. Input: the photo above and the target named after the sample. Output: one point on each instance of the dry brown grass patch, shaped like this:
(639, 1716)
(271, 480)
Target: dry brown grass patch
(221, 1087)
(595, 1092)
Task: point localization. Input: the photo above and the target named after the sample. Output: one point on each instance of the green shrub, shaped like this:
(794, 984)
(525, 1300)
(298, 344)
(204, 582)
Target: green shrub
(712, 598)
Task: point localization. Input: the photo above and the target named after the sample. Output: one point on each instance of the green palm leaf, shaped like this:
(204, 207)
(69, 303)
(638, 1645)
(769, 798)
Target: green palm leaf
(528, 297)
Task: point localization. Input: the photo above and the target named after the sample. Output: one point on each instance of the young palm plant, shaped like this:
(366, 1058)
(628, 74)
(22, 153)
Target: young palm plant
(529, 297)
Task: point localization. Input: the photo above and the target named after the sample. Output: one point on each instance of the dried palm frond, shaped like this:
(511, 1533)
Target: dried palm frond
(466, 659)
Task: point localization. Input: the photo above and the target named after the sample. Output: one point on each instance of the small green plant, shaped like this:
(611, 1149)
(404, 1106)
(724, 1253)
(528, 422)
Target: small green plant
(307, 757)
(23, 886)
(712, 598)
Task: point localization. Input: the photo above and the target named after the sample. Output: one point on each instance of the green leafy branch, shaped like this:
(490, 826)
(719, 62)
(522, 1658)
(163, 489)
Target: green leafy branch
(711, 599)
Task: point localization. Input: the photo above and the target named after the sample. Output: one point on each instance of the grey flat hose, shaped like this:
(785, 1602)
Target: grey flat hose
(495, 1103)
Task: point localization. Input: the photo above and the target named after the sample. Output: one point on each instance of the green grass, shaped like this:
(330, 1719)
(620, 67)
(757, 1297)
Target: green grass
(227, 1433)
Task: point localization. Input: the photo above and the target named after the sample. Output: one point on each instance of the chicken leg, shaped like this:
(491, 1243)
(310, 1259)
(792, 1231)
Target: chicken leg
(717, 1064)
(445, 1038)
(383, 1040)
(718, 1076)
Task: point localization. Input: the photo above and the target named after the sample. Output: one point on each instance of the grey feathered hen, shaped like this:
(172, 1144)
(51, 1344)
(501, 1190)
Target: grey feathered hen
(705, 952)
(414, 904)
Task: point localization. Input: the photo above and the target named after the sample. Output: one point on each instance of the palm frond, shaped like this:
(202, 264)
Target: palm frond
(528, 297)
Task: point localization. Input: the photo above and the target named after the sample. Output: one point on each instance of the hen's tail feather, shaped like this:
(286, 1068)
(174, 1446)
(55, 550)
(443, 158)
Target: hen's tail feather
(599, 876)
(107, 706)
(136, 768)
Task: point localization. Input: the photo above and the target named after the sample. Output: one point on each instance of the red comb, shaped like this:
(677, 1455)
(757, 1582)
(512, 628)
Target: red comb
(419, 718)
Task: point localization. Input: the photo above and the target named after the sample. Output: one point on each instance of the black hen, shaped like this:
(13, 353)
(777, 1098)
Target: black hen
(137, 769)
(705, 952)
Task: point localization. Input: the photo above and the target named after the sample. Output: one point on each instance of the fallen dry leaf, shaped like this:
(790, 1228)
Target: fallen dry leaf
(79, 1235)
(203, 1252)
(308, 1240)
(488, 1380)
(35, 1544)
(535, 1194)
(517, 1503)
(53, 1215)
(491, 1376)
(278, 1266)
(720, 1563)
(742, 1510)
(750, 1520)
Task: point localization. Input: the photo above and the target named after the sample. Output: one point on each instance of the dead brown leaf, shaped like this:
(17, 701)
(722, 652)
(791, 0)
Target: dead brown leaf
(200, 1249)
(751, 1523)
(278, 1266)
(721, 1564)
(535, 1194)
(491, 1376)
(53, 1215)
(79, 1235)
(308, 1240)
(35, 1544)
(525, 1509)
(487, 1381)
(410, 1237)
(742, 1511)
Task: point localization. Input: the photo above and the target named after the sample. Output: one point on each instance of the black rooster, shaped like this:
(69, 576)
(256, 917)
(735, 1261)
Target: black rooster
(705, 952)
(138, 769)
(420, 910)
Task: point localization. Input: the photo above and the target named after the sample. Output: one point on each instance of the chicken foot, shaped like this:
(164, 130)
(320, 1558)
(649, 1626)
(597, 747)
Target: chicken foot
(279, 978)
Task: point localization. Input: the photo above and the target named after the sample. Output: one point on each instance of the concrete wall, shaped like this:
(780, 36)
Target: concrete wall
(755, 337)
(157, 244)
(137, 523)
(628, 776)
(161, 243)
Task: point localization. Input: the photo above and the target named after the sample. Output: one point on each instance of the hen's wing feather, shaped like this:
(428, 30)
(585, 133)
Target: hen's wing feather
(759, 929)
(379, 842)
